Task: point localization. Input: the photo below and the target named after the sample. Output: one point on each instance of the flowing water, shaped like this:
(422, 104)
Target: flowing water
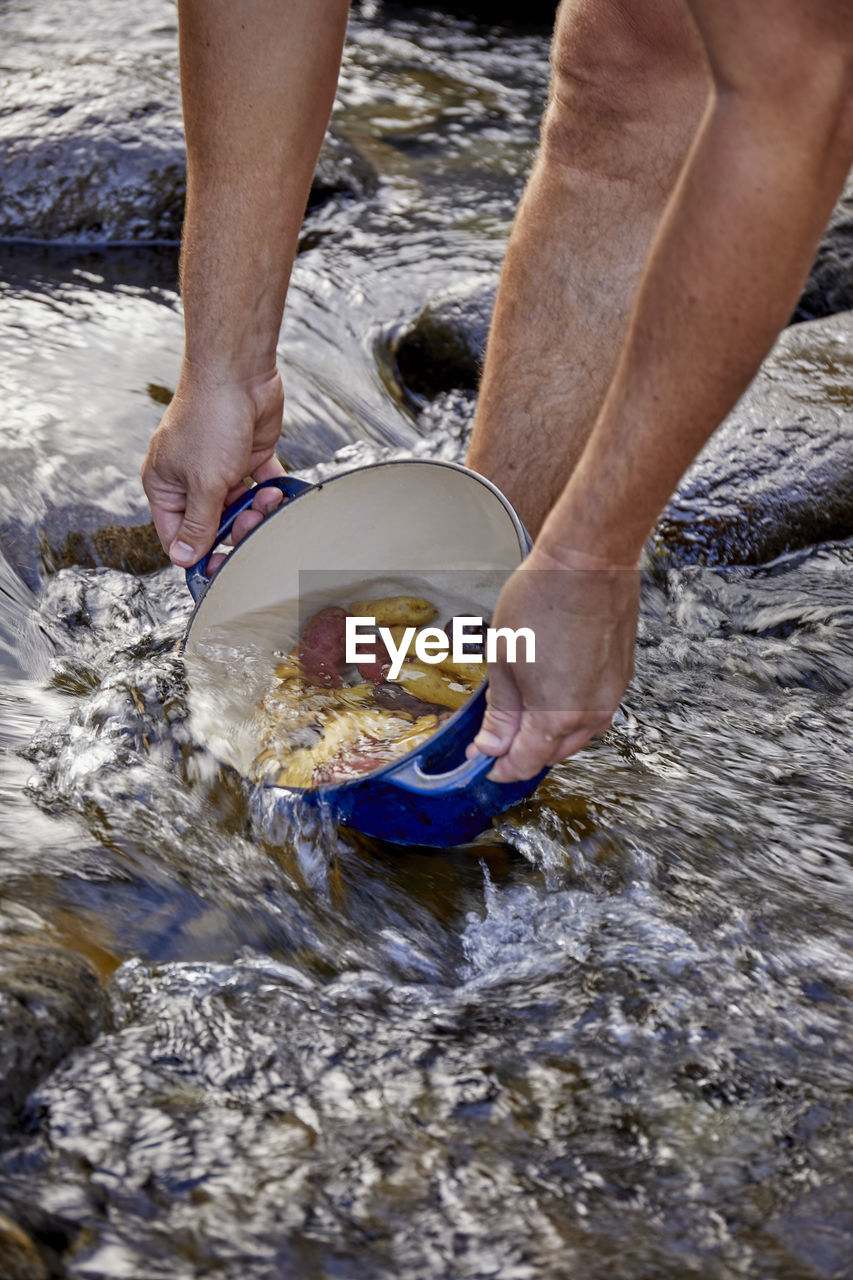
(610, 1039)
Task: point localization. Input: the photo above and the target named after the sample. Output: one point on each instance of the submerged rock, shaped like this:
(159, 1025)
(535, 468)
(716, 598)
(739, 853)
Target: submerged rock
(829, 288)
(51, 1001)
(130, 548)
(778, 474)
(341, 170)
(19, 1257)
(32, 1239)
(443, 347)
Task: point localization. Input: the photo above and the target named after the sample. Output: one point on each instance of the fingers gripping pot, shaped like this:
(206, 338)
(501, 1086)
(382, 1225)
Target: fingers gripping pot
(376, 525)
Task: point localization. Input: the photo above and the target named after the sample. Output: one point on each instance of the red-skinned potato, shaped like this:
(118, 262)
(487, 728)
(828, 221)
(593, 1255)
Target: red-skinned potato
(474, 645)
(375, 669)
(322, 647)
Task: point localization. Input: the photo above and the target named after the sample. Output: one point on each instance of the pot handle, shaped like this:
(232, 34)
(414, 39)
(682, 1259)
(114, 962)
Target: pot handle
(197, 578)
(412, 778)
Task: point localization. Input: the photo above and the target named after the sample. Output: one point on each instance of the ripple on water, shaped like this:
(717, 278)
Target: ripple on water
(620, 1039)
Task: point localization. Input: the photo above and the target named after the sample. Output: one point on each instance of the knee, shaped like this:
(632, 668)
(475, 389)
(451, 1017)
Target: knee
(785, 62)
(611, 69)
(777, 50)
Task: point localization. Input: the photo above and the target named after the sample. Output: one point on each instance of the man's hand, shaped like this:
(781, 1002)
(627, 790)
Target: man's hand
(214, 436)
(584, 619)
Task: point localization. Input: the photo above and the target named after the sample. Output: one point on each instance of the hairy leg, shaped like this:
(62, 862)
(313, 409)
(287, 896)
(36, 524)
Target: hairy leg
(628, 87)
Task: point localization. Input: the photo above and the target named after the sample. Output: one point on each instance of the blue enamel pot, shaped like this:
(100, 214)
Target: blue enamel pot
(361, 533)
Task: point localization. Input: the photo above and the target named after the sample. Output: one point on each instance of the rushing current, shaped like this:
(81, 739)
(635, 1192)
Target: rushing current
(612, 1038)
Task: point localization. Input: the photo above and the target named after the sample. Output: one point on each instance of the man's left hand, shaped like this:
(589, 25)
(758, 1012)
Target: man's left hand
(583, 614)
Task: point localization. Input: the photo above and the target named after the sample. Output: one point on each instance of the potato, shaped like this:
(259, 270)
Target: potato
(375, 669)
(393, 697)
(395, 611)
(343, 733)
(473, 672)
(288, 670)
(322, 647)
(354, 761)
(475, 638)
(397, 634)
(433, 685)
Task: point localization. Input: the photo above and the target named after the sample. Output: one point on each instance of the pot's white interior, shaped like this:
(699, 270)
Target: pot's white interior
(432, 528)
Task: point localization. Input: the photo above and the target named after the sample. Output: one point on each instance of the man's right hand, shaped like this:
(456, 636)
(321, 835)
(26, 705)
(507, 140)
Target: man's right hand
(214, 436)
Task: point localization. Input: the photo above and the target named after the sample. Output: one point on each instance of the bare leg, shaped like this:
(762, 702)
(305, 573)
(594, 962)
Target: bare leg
(629, 85)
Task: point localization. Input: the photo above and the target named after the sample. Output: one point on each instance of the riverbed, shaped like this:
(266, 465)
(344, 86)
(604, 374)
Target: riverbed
(612, 1038)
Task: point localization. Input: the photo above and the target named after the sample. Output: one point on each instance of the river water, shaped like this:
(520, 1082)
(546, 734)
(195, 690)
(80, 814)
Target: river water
(610, 1039)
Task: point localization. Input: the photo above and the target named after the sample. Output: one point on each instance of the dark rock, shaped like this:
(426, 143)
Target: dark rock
(91, 136)
(778, 474)
(341, 170)
(829, 288)
(19, 1257)
(130, 548)
(51, 1001)
(537, 14)
(32, 1239)
(109, 168)
(113, 180)
(443, 347)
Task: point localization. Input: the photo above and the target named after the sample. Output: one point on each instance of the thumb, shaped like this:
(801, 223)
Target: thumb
(503, 714)
(197, 531)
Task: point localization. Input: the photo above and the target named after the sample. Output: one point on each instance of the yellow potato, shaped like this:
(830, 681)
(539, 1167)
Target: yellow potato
(433, 685)
(342, 732)
(397, 634)
(288, 669)
(395, 611)
(473, 672)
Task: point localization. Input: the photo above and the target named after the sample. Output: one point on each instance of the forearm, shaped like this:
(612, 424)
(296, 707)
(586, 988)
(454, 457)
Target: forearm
(258, 81)
(725, 270)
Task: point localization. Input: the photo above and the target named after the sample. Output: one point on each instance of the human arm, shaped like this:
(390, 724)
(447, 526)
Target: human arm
(725, 269)
(258, 81)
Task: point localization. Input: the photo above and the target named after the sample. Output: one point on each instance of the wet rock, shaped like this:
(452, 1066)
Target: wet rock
(129, 548)
(51, 1001)
(536, 14)
(443, 347)
(91, 135)
(110, 180)
(19, 1257)
(778, 474)
(33, 1240)
(91, 158)
(132, 549)
(341, 170)
(829, 288)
